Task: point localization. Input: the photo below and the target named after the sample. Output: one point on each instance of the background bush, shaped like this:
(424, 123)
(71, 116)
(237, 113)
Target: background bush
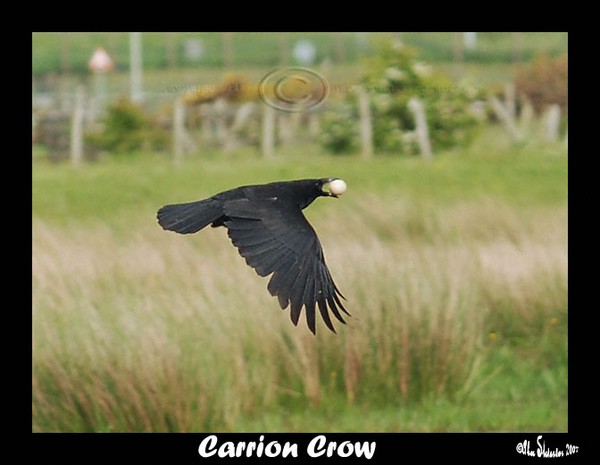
(126, 128)
(544, 82)
(395, 77)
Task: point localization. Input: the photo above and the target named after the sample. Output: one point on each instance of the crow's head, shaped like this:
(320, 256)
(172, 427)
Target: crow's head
(307, 190)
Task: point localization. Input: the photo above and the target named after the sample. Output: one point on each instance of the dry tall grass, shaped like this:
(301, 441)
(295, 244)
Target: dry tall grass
(144, 330)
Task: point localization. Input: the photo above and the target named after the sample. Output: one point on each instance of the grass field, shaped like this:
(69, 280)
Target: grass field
(59, 52)
(455, 273)
(60, 60)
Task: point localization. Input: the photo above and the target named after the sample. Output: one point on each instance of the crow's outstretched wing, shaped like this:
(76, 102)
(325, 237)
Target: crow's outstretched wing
(275, 237)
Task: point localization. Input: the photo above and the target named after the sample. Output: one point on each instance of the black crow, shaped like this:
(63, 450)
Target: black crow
(266, 224)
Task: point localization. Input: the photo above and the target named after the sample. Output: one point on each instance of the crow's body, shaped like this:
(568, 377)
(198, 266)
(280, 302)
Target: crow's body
(266, 224)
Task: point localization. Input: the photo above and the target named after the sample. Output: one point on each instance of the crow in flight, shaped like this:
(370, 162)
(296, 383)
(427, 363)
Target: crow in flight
(266, 224)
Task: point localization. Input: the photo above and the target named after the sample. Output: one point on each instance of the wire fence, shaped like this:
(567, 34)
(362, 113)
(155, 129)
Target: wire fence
(222, 121)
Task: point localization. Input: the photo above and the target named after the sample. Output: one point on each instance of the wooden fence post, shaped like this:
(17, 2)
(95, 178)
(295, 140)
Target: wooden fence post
(505, 118)
(285, 127)
(459, 54)
(240, 119)
(220, 109)
(314, 124)
(268, 131)
(206, 123)
(552, 118)
(510, 99)
(526, 116)
(366, 125)
(77, 127)
(421, 130)
(227, 49)
(178, 130)
(32, 112)
(135, 67)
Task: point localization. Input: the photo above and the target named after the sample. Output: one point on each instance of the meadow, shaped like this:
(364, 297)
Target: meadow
(70, 52)
(454, 270)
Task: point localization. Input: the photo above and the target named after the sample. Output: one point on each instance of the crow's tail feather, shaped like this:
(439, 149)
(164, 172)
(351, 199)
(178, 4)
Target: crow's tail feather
(187, 218)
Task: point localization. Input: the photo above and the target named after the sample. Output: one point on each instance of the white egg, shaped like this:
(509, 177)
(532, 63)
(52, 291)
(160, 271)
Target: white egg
(337, 187)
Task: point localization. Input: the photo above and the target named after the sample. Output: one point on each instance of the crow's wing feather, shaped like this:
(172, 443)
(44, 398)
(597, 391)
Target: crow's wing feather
(274, 237)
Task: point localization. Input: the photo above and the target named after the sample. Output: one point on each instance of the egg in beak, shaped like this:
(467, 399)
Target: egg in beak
(334, 187)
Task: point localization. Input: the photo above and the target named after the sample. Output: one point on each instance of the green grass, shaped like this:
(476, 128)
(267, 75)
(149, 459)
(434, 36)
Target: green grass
(520, 176)
(55, 52)
(454, 270)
